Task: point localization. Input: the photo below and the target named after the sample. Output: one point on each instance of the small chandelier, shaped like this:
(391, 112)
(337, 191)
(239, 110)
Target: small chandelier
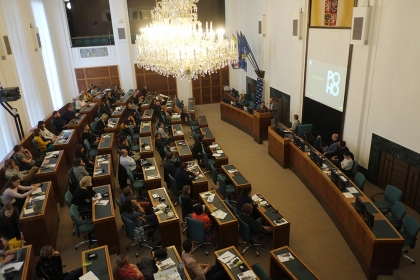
(175, 43)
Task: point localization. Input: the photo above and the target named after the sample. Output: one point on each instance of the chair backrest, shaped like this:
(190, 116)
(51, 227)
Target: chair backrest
(213, 174)
(195, 230)
(17, 161)
(182, 206)
(317, 143)
(411, 228)
(130, 176)
(119, 204)
(87, 145)
(398, 211)
(360, 180)
(244, 230)
(222, 185)
(354, 167)
(67, 198)
(53, 125)
(229, 205)
(174, 185)
(260, 272)
(302, 128)
(203, 152)
(74, 214)
(166, 151)
(129, 227)
(392, 194)
(130, 142)
(98, 112)
(93, 126)
(38, 152)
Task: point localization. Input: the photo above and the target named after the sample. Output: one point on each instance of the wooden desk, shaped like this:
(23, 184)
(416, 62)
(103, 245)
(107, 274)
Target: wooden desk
(237, 179)
(292, 269)
(170, 102)
(184, 151)
(103, 218)
(191, 107)
(107, 171)
(107, 146)
(279, 148)
(113, 126)
(281, 233)
(151, 174)
(220, 160)
(208, 136)
(101, 266)
(90, 112)
(78, 124)
(169, 227)
(147, 102)
(58, 175)
(232, 272)
(148, 115)
(146, 151)
(119, 112)
(256, 125)
(98, 99)
(200, 183)
(176, 119)
(66, 141)
(28, 269)
(202, 121)
(146, 128)
(226, 228)
(378, 250)
(126, 98)
(172, 253)
(177, 132)
(42, 227)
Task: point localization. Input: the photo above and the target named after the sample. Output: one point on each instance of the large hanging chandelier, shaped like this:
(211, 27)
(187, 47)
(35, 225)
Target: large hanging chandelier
(175, 43)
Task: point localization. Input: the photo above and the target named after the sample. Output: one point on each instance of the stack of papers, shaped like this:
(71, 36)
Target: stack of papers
(38, 190)
(219, 214)
(219, 151)
(226, 257)
(178, 132)
(145, 123)
(111, 125)
(171, 273)
(280, 222)
(152, 167)
(165, 264)
(206, 194)
(152, 177)
(100, 159)
(147, 148)
(348, 194)
(210, 198)
(285, 257)
(97, 172)
(40, 197)
(247, 275)
(105, 136)
(102, 202)
(214, 146)
(216, 155)
(89, 276)
(352, 190)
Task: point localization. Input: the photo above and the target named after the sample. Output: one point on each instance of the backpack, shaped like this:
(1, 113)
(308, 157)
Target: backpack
(148, 267)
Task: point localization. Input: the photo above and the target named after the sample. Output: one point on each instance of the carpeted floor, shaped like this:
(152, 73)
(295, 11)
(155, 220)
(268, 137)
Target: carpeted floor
(313, 237)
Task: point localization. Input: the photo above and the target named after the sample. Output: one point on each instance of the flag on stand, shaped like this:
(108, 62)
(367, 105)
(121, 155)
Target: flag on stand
(259, 94)
(242, 52)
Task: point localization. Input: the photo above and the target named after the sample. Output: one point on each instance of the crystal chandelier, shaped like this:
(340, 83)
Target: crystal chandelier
(176, 44)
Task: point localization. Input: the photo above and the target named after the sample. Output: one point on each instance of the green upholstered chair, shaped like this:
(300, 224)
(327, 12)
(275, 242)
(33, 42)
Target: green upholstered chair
(411, 228)
(360, 180)
(397, 214)
(391, 195)
(195, 232)
(245, 233)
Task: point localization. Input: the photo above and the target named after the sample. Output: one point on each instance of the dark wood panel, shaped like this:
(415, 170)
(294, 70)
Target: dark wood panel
(80, 73)
(82, 85)
(113, 71)
(140, 80)
(215, 79)
(216, 94)
(412, 189)
(196, 83)
(171, 83)
(115, 81)
(197, 96)
(96, 72)
(225, 76)
(206, 95)
(101, 82)
(205, 81)
(139, 71)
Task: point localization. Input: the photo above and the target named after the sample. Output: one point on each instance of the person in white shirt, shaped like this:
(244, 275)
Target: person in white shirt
(129, 163)
(80, 103)
(347, 162)
(45, 133)
(296, 122)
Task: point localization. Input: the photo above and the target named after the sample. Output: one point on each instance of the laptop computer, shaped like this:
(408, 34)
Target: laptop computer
(18, 253)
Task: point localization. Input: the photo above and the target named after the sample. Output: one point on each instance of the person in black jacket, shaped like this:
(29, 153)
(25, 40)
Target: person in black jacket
(255, 227)
(184, 177)
(104, 109)
(82, 197)
(59, 123)
(101, 124)
(187, 203)
(87, 134)
(170, 165)
(69, 114)
(9, 223)
(50, 266)
(79, 152)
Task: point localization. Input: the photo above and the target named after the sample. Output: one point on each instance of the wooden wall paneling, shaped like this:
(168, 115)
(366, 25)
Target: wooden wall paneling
(206, 95)
(225, 76)
(101, 82)
(113, 71)
(82, 84)
(152, 82)
(196, 83)
(412, 188)
(385, 169)
(115, 81)
(216, 93)
(205, 81)
(171, 84)
(80, 73)
(97, 72)
(399, 173)
(197, 96)
(104, 76)
(141, 81)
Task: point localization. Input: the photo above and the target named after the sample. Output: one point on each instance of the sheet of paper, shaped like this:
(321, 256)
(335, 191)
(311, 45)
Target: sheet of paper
(104, 163)
(97, 173)
(247, 275)
(220, 151)
(216, 155)
(16, 266)
(150, 168)
(206, 194)
(102, 202)
(285, 257)
(55, 153)
(155, 195)
(152, 177)
(348, 195)
(28, 211)
(89, 276)
(41, 197)
(213, 146)
(210, 198)
(98, 196)
(352, 190)
(226, 257)
(38, 190)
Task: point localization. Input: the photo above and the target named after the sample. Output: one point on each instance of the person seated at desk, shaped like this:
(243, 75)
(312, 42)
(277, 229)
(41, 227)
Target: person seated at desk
(178, 110)
(170, 165)
(198, 270)
(128, 194)
(80, 153)
(69, 114)
(198, 148)
(187, 203)
(50, 266)
(144, 90)
(110, 100)
(94, 90)
(80, 103)
(184, 177)
(246, 197)
(79, 169)
(104, 109)
(131, 110)
(167, 115)
(131, 121)
(101, 124)
(59, 123)
(295, 123)
(256, 228)
(163, 135)
(9, 193)
(46, 134)
(43, 146)
(263, 108)
(87, 96)
(156, 108)
(129, 163)
(242, 100)
(201, 216)
(25, 157)
(125, 270)
(347, 163)
(8, 255)
(124, 145)
(82, 197)
(87, 134)
(339, 157)
(138, 216)
(25, 176)
(10, 228)
(332, 149)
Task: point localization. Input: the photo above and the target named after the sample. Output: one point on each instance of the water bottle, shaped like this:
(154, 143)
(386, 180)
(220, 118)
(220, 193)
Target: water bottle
(141, 234)
(181, 270)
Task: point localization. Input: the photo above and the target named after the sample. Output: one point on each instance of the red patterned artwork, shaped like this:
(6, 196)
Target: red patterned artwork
(330, 12)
